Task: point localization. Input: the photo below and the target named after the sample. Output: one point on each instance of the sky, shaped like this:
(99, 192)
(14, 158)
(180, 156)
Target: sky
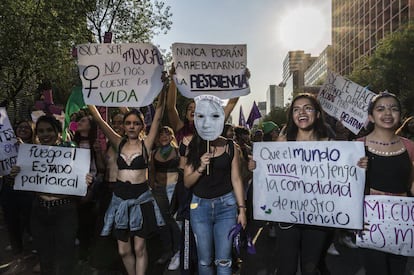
(269, 28)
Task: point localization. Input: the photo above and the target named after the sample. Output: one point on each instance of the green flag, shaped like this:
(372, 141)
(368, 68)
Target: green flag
(74, 104)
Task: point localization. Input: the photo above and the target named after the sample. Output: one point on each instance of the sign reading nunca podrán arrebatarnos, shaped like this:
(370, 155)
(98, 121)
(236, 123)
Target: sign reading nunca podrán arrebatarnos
(210, 69)
(52, 169)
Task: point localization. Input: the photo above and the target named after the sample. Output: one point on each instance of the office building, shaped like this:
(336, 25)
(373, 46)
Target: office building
(358, 25)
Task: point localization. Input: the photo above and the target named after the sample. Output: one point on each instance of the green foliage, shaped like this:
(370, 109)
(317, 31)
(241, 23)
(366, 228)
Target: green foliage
(277, 115)
(36, 38)
(391, 67)
(129, 20)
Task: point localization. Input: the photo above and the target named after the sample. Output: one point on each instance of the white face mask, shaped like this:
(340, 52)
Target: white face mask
(208, 119)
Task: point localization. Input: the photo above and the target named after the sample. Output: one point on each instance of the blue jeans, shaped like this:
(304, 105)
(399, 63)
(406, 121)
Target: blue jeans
(170, 190)
(211, 221)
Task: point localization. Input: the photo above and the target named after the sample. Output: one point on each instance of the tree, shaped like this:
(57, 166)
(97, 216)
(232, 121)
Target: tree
(129, 20)
(277, 115)
(391, 67)
(36, 38)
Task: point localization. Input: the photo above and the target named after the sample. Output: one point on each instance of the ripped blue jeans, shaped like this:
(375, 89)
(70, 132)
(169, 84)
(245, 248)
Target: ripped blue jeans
(211, 221)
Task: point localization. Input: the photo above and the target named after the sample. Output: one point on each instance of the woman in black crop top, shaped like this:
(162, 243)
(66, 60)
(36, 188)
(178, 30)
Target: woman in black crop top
(132, 186)
(164, 175)
(217, 191)
(390, 171)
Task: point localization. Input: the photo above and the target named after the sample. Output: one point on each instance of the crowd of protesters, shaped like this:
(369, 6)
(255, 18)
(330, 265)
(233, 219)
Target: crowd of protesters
(167, 181)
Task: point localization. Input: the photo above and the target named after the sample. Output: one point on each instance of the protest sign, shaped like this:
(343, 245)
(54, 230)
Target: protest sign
(8, 143)
(390, 225)
(210, 69)
(310, 182)
(346, 101)
(52, 169)
(120, 75)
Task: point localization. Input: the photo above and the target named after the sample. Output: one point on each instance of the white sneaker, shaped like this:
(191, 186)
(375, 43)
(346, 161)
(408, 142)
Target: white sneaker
(175, 261)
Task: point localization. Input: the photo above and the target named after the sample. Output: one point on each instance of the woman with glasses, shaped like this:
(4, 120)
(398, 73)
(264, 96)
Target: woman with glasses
(305, 123)
(133, 214)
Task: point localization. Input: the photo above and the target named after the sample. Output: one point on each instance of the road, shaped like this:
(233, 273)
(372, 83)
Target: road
(349, 261)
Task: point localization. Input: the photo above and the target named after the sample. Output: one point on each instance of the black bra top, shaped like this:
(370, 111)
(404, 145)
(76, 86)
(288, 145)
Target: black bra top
(134, 162)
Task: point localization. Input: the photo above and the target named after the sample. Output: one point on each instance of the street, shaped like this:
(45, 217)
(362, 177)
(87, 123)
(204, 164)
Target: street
(349, 261)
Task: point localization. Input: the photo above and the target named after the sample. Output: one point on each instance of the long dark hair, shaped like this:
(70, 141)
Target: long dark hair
(188, 128)
(319, 125)
(92, 134)
(196, 148)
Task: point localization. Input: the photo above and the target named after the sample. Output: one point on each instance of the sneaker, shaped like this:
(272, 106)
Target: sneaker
(175, 261)
(332, 250)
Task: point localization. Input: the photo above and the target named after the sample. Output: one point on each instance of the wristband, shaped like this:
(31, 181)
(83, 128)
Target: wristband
(242, 206)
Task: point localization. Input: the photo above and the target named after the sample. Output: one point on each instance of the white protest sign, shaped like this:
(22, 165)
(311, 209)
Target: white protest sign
(390, 224)
(346, 101)
(8, 144)
(210, 69)
(52, 169)
(310, 182)
(126, 75)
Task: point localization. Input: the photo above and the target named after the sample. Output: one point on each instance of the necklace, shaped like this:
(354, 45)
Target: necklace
(384, 143)
(165, 151)
(382, 153)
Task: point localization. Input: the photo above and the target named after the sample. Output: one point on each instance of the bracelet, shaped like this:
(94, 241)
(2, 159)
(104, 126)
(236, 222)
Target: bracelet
(200, 172)
(242, 206)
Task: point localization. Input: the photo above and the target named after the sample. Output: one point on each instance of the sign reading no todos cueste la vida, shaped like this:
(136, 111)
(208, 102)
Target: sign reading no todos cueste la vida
(52, 169)
(389, 223)
(314, 183)
(8, 143)
(346, 101)
(210, 69)
(127, 75)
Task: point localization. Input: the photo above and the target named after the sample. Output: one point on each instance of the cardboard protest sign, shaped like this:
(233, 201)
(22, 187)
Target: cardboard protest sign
(52, 169)
(390, 226)
(8, 144)
(346, 101)
(310, 182)
(127, 75)
(210, 69)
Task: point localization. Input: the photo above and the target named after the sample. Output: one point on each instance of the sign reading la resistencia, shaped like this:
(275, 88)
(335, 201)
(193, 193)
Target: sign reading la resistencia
(218, 70)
